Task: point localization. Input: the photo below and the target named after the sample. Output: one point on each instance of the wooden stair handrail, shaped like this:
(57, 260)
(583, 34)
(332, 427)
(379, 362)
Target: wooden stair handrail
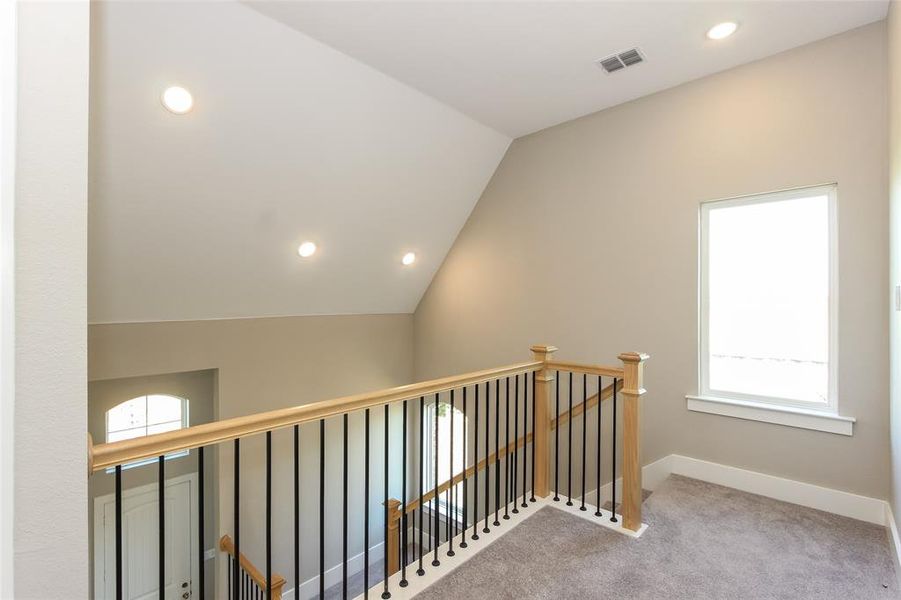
(226, 545)
(592, 401)
(102, 456)
(556, 365)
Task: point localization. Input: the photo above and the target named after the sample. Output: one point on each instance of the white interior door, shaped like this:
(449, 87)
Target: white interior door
(140, 542)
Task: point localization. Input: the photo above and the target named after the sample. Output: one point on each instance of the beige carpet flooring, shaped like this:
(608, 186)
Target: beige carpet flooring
(704, 541)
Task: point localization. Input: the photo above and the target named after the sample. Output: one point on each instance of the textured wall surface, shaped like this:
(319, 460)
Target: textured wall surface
(51, 301)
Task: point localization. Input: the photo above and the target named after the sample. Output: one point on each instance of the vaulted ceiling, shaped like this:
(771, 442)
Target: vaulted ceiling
(200, 215)
(521, 66)
(370, 128)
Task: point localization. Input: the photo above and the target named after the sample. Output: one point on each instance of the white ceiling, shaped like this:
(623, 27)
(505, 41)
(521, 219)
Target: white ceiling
(199, 216)
(522, 66)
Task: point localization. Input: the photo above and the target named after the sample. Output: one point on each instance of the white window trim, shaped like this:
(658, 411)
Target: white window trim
(185, 422)
(798, 413)
(771, 413)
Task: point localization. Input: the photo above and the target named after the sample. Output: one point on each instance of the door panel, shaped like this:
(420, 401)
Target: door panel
(140, 542)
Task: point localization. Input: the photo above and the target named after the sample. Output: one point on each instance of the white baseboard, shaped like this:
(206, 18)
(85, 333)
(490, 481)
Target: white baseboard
(894, 540)
(837, 502)
(310, 587)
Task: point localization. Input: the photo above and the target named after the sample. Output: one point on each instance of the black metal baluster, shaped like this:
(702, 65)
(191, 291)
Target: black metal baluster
(344, 517)
(487, 464)
(403, 506)
(497, 450)
(268, 515)
(532, 497)
(556, 439)
(386, 594)
(162, 507)
(475, 471)
(200, 544)
(525, 434)
(451, 487)
(584, 433)
(228, 577)
(515, 442)
(569, 445)
(321, 508)
(420, 571)
(464, 526)
(119, 530)
(507, 449)
(297, 507)
(237, 517)
(437, 530)
(597, 511)
(613, 518)
(365, 506)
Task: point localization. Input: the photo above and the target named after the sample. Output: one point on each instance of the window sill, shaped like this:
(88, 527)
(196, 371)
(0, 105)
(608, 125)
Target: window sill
(780, 415)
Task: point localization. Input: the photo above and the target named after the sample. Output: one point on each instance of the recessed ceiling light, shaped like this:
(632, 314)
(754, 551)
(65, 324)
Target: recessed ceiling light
(722, 30)
(408, 259)
(178, 100)
(307, 249)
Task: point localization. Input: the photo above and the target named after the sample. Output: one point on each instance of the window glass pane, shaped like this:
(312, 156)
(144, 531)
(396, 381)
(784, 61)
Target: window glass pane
(126, 434)
(127, 415)
(163, 427)
(444, 422)
(768, 298)
(162, 409)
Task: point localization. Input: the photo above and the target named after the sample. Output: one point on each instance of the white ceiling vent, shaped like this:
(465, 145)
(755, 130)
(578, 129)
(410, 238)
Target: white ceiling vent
(621, 60)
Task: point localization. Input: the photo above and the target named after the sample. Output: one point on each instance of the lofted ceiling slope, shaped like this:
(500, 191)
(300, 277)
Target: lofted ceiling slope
(199, 216)
(521, 66)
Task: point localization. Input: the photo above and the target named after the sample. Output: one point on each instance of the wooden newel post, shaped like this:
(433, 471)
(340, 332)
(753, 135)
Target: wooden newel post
(633, 389)
(542, 391)
(393, 545)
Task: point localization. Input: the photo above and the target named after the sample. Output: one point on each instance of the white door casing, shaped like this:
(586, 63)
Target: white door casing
(140, 537)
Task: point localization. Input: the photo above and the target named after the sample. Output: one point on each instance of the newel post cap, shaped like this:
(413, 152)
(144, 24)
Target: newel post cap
(543, 349)
(633, 357)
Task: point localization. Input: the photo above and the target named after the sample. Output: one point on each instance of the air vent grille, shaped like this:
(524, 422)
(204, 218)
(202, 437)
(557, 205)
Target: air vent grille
(621, 60)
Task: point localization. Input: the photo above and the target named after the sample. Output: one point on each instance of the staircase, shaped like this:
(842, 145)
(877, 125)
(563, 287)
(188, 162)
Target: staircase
(531, 428)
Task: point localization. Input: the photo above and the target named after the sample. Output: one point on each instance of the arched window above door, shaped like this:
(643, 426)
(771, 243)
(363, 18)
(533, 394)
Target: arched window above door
(147, 415)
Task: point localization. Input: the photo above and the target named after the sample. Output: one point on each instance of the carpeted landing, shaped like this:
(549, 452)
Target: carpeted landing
(703, 541)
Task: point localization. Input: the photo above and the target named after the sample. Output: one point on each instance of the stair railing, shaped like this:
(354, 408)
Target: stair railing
(252, 582)
(627, 381)
(525, 474)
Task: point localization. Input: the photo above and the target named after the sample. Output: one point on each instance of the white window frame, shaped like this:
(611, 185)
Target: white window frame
(749, 402)
(185, 422)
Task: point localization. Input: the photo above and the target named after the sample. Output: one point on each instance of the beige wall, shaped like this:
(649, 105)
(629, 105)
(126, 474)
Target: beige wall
(894, 72)
(271, 363)
(586, 238)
